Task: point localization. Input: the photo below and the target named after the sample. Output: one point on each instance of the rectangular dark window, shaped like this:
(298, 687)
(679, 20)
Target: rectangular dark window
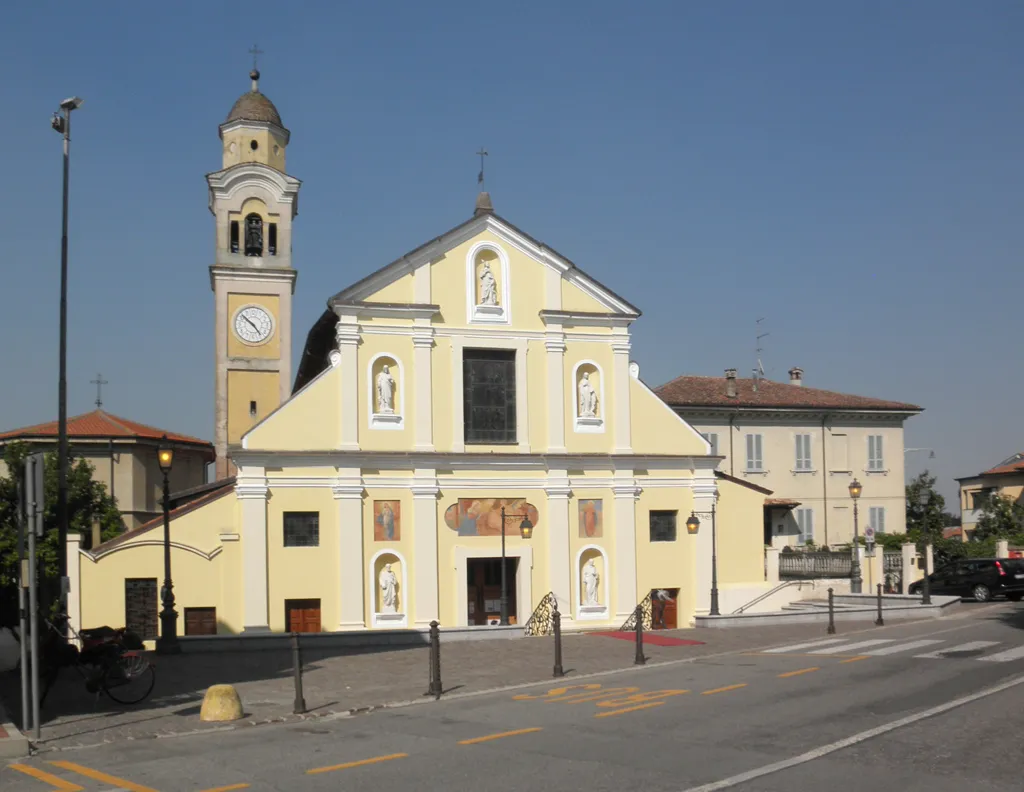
(301, 529)
(272, 240)
(489, 395)
(252, 409)
(140, 607)
(234, 236)
(663, 526)
(200, 621)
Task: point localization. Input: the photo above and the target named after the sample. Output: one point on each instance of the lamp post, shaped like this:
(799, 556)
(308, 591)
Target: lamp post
(855, 578)
(924, 497)
(526, 531)
(167, 643)
(61, 123)
(692, 525)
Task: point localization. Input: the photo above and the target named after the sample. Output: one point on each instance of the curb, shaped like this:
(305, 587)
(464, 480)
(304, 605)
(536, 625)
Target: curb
(13, 744)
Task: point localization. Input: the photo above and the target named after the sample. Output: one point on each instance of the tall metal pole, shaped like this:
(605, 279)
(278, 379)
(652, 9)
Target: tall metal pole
(62, 385)
(855, 578)
(168, 641)
(33, 615)
(714, 565)
(504, 582)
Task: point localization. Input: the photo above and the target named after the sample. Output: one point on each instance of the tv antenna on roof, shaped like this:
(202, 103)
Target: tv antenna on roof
(758, 349)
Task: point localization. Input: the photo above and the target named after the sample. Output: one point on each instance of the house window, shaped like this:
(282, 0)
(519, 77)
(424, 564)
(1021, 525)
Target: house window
(489, 395)
(980, 499)
(839, 458)
(140, 607)
(876, 518)
(875, 459)
(755, 462)
(805, 522)
(803, 452)
(663, 526)
(712, 438)
(301, 529)
(272, 239)
(234, 236)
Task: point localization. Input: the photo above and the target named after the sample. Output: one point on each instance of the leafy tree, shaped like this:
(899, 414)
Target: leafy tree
(925, 523)
(1001, 518)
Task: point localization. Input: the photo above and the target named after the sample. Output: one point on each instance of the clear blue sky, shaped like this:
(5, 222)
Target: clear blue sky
(850, 171)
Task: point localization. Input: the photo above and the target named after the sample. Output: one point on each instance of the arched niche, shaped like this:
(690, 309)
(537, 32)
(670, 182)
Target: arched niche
(380, 416)
(588, 397)
(584, 609)
(381, 614)
(488, 292)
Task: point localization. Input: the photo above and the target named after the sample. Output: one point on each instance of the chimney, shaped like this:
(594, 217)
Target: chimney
(796, 376)
(730, 383)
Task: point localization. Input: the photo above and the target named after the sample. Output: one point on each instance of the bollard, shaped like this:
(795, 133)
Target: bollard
(880, 622)
(300, 700)
(831, 614)
(639, 659)
(556, 625)
(435, 661)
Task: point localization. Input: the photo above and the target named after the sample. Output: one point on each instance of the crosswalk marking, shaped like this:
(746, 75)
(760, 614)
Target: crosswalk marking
(971, 646)
(1005, 657)
(888, 650)
(798, 647)
(854, 648)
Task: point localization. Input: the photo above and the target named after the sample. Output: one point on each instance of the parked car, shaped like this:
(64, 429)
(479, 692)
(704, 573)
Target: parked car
(980, 578)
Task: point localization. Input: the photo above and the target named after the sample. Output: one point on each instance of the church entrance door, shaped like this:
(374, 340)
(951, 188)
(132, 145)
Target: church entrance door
(483, 589)
(302, 615)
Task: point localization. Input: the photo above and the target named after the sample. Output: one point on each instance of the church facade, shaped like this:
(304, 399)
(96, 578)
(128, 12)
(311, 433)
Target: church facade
(473, 398)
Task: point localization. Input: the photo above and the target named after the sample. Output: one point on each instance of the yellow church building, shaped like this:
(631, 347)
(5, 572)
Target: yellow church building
(482, 371)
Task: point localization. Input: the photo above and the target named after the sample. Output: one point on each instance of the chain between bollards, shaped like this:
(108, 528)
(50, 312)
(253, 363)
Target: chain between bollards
(639, 659)
(880, 622)
(300, 700)
(831, 614)
(556, 626)
(434, 689)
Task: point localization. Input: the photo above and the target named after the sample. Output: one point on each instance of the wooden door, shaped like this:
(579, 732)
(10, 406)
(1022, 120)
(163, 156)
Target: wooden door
(302, 616)
(200, 621)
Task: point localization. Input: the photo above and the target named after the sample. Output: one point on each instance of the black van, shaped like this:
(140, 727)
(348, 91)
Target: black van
(980, 578)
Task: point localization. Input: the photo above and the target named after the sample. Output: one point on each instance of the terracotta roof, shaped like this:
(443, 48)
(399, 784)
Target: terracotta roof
(788, 502)
(1014, 464)
(952, 532)
(743, 483)
(254, 106)
(100, 424)
(690, 391)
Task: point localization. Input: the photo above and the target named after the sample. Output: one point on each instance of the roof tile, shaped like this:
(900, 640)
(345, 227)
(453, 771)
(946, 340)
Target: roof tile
(100, 424)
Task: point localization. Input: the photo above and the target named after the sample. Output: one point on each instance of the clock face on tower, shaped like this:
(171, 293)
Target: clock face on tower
(253, 324)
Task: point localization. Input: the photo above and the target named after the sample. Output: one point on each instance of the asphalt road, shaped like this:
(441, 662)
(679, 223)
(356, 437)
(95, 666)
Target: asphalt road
(929, 706)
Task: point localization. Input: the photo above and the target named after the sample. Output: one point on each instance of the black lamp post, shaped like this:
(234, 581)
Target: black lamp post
(923, 499)
(855, 578)
(692, 525)
(526, 531)
(167, 643)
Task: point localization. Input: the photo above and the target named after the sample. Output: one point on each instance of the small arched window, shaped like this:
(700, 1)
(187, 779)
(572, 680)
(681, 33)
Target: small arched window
(254, 235)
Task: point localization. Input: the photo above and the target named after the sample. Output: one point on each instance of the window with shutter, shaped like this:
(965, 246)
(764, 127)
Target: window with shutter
(805, 522)
(876, 460)
(712, 438)
(877, 517)
(803, 452)
(754, 459)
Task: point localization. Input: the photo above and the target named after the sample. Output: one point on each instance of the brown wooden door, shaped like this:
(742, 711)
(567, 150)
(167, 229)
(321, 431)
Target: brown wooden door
(200, 621)
(302, 616)
(483, 587)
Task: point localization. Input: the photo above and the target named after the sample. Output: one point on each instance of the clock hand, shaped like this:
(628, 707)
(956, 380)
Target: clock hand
(251, 323)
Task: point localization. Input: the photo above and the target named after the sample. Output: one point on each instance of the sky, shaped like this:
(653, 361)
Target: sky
(848, 172)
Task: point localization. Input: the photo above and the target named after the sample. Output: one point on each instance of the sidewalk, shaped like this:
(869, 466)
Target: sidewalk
(12, 743)
(343, 681)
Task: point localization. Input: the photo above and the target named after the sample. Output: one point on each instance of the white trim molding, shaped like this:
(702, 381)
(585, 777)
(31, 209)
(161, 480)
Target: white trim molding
(488, 314)
(376, 420)
(596, 424)
(377, 618)
(591, 612)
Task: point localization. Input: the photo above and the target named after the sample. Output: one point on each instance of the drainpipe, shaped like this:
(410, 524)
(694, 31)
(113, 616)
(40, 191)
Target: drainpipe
(824, 476)
(732, 456)
(111, 442)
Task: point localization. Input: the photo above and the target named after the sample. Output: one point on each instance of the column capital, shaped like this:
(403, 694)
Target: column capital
(425, 491)
(347, 489)
(558, 492)
(621, 347)
(423, 339)
(626, 490)
(346, 334)
(555, 345)
(252, 489)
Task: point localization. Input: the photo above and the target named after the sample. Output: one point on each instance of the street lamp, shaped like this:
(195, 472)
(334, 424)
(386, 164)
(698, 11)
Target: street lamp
(526, 531)
(692, 525)
(61, 123)
(855, 578)
(167, 643)
(924, 497)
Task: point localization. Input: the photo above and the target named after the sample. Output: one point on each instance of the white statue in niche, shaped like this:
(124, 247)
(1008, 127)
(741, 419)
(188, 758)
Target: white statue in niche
(389, 590)
(385, 391)
(488, 286)
(590, 580)
(588, 398)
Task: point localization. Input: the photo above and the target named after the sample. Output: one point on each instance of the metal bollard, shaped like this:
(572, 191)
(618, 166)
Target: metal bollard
(639, 659)
(880, 622)
(435, 661)
(831, 614)
(556, 625)
(300, 701)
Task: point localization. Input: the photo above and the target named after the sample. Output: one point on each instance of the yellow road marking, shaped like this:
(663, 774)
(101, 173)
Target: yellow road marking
(227, 788)
(854, 659)
(724, 689)
(96, 775)
(499, 735)
(580, 698)
(347, 765)
(629, 709)
(555, 692)
(797, 673)
(47, 778)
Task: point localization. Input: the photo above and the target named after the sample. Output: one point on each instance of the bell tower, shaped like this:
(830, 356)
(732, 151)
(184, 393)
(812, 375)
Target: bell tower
(254, 203)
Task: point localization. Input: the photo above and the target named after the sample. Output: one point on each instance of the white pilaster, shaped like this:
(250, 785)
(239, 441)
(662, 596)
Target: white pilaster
(705, 491)
(347, 336)
(622, 430)
(348, 492)
(555, 346)
(74, 561)
(522, 400)
(559, 563)
(422, 347)
(251, 489)
(425, 569)
(625, 491)
(458, 430)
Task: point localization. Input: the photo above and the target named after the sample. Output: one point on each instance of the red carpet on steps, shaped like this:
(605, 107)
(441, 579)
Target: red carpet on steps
(652, 638)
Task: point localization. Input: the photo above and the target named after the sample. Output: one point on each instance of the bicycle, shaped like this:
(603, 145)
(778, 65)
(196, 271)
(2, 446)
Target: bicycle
(113, 662)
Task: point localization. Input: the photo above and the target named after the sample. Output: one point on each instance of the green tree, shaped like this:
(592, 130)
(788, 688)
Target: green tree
(925, 523)
(1001, 518)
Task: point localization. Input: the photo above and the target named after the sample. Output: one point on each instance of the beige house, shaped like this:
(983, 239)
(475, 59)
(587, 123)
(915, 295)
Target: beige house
(123, 453)
(1005, 479)
(805, 445)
